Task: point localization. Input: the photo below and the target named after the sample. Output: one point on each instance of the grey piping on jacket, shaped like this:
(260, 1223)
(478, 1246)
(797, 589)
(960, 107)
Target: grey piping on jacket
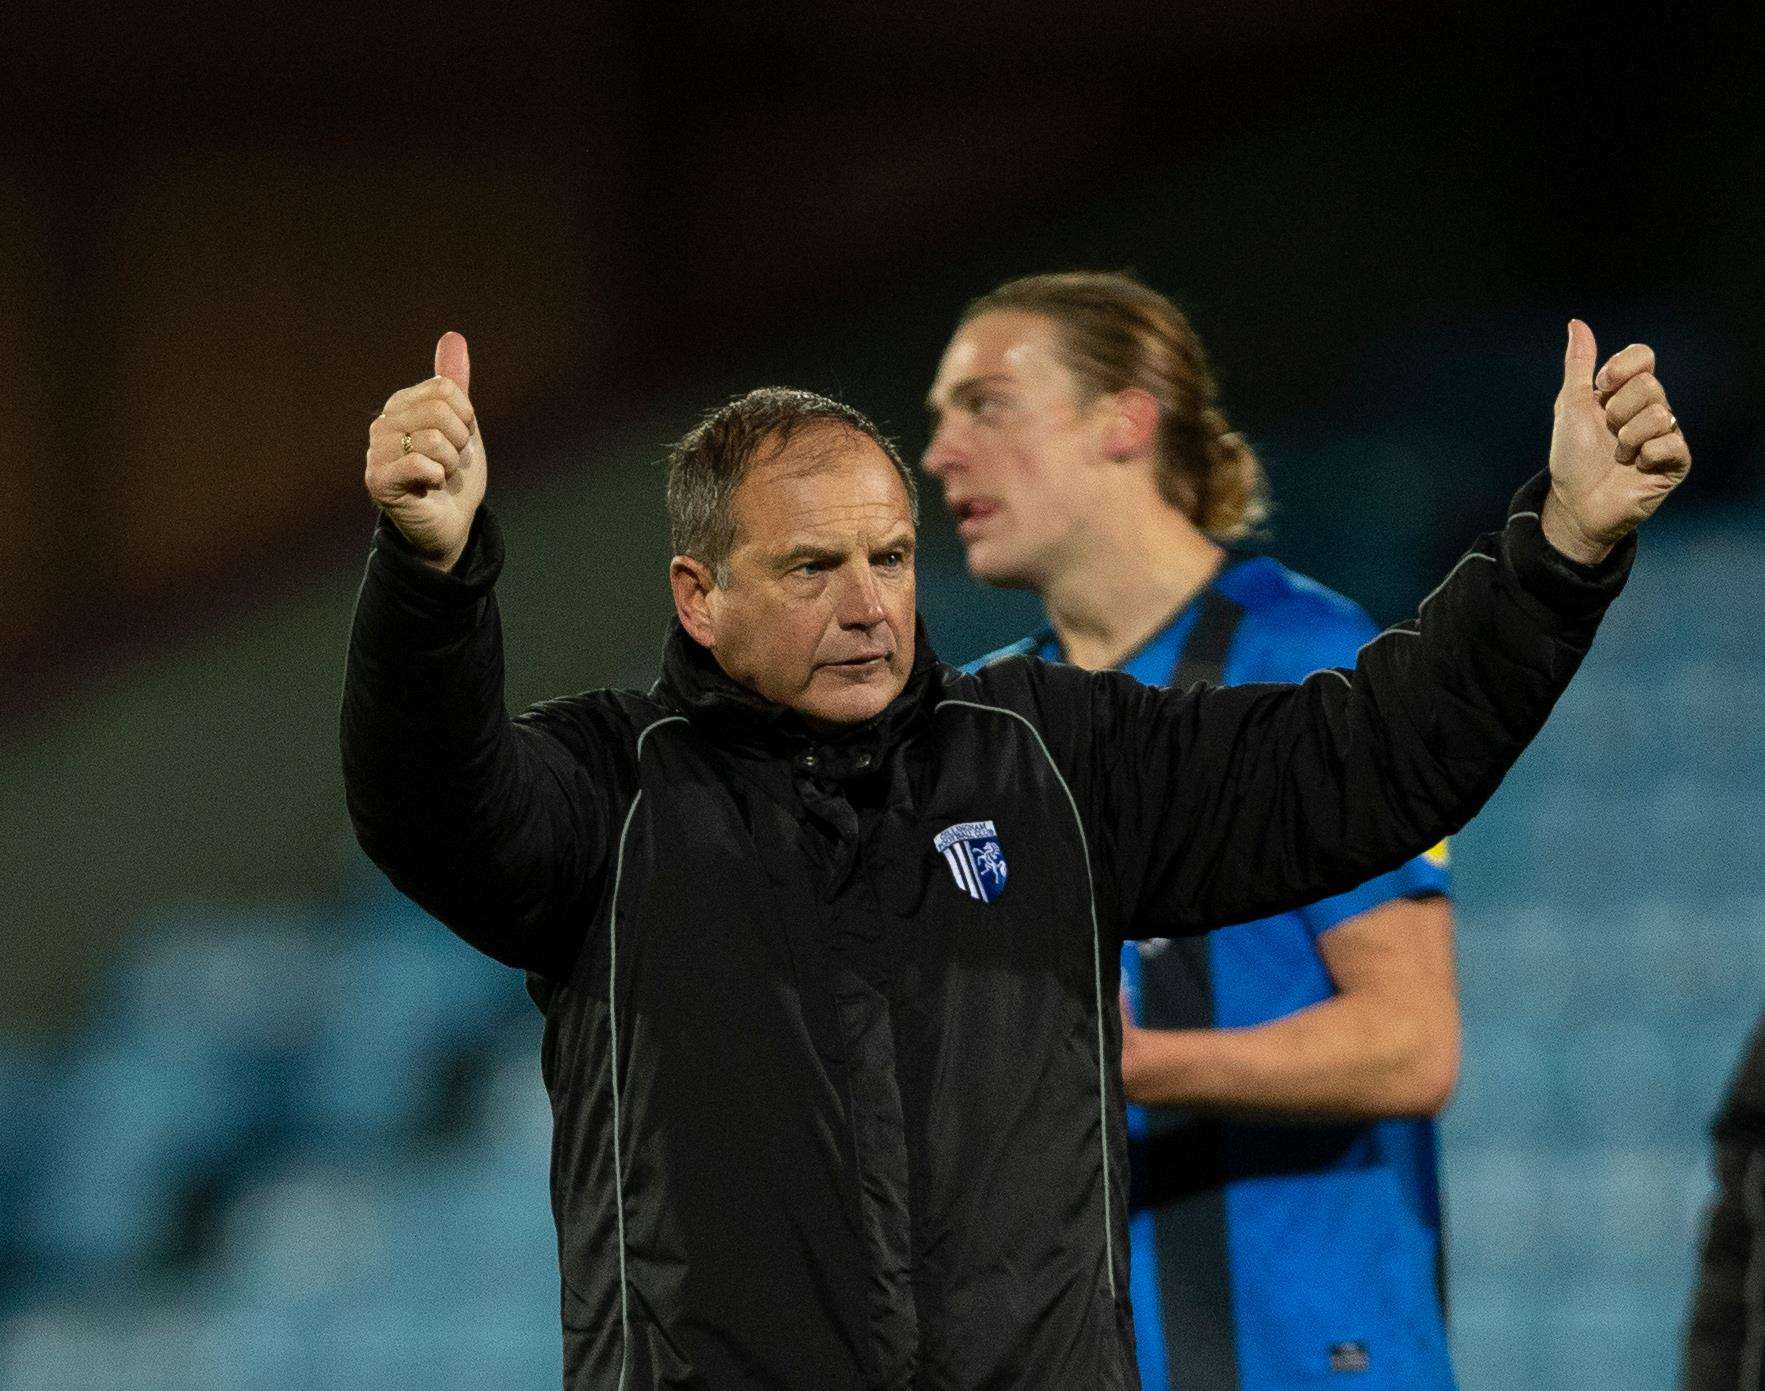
(613, 1061)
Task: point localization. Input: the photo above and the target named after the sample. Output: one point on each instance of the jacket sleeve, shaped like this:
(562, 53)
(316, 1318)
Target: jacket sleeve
(1231, 804)
(496, 826)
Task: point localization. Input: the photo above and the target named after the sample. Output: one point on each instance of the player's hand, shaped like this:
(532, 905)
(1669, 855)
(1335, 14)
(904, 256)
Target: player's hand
(426, 465)
(1616, 449)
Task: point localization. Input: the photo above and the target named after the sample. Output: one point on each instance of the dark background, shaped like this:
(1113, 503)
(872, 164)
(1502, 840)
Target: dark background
(227, 234)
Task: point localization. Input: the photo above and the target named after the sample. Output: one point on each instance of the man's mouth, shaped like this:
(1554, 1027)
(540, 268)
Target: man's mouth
(860, 662)
(972, 515)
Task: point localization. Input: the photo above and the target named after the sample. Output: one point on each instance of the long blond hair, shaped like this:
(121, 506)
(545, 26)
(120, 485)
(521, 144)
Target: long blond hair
(1114, 333)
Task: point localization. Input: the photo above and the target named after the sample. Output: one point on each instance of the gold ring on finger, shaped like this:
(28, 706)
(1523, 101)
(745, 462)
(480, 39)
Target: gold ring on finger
(404, 444)
(1672, 423)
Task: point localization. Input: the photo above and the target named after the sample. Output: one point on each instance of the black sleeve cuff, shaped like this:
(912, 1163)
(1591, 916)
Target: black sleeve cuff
(1562, 585)
(441, 592)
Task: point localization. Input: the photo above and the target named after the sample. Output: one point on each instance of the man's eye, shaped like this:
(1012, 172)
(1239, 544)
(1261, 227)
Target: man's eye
(809, 567)
(892, 559)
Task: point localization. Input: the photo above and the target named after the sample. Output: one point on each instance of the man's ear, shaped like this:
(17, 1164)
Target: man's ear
(693, 584)
(1130, 423)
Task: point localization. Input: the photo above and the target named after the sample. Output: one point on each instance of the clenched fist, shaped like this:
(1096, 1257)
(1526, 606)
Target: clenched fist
(1616, 449)
(426, 466)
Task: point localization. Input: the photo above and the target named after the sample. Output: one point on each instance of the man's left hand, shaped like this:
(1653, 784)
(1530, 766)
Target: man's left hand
(1616, 449)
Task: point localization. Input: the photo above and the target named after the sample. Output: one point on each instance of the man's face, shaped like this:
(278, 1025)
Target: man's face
(1010, 445)
(818, 609)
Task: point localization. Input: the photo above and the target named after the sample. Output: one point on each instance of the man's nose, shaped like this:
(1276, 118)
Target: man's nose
(942, 454)
(861, 601)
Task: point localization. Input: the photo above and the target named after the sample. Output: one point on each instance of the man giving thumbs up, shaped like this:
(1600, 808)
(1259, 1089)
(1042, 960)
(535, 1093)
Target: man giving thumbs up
(827, 933)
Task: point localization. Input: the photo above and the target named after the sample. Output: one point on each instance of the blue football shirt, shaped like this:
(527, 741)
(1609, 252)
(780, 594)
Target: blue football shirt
(1331, 1234)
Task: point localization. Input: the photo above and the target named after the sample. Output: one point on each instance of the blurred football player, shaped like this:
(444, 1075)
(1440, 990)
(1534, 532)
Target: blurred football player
(1287, 1071)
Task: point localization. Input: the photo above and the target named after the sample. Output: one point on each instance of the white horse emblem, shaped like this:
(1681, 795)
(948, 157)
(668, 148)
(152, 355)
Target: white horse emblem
(975, 857)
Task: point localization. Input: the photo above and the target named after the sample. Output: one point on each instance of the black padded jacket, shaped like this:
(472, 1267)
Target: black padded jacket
(831, 1033)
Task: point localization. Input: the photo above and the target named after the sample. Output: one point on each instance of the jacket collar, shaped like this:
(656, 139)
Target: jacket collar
(693, 683)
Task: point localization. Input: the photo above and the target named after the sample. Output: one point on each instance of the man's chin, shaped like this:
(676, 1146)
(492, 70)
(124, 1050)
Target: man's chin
(853, 703)
(990, 565)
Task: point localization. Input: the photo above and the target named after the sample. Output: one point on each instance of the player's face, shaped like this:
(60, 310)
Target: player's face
(1012, 448)
(818, 610)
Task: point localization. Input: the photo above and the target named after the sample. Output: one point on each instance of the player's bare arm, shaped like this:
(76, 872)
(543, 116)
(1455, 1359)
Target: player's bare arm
(1386, 1044)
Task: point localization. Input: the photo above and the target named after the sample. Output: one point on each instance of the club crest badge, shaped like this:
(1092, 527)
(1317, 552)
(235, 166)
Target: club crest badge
(976, 860)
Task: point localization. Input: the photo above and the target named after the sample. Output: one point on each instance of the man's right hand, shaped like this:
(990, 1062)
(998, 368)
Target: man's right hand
(426, 465)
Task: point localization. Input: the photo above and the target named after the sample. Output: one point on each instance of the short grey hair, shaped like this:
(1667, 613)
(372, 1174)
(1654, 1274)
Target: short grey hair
(708, 463)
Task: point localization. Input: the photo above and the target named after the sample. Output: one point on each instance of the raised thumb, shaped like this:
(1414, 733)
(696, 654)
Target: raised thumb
(453, 361)
(1579, 358)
